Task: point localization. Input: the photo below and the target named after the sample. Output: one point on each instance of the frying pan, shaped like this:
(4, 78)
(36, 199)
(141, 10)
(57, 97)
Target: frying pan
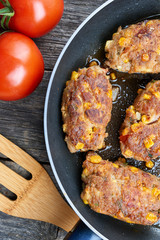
(88, 42)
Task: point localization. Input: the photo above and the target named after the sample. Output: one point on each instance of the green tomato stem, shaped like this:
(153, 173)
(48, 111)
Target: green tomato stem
(6, 13)
(8, 3)
(3, 21)
(5, 3)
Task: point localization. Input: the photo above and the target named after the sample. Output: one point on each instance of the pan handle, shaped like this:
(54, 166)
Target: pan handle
(81, 232)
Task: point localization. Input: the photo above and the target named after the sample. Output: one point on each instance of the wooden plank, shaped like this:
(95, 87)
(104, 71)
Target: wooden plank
(22, 121)
(12, 228)
(75, 11)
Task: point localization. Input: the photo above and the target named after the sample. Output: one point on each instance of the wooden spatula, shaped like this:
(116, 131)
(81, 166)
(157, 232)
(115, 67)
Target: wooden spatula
(37, 198)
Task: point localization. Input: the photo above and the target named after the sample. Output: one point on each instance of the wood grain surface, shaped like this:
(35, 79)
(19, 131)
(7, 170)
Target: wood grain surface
(22, 121)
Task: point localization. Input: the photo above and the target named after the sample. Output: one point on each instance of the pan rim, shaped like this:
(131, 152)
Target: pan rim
(45, 118)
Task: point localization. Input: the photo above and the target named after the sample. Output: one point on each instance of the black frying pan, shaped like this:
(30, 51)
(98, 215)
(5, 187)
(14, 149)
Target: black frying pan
(89, 40)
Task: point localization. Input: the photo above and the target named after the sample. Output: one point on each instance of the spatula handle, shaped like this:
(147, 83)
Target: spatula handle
(82, 232)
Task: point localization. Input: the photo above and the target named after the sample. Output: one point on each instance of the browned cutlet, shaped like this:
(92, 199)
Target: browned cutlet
(135, 49)
(121, 191)
(86, 109)
(140, 131)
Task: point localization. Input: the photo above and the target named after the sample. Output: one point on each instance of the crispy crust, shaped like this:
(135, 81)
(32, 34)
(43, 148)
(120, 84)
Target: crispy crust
(86, 109)
(135, 49)
(140, 131)
(120, 190)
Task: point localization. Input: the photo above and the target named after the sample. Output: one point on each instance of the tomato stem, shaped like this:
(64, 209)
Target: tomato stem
(3, 21)
(5, 3)
(6, 13)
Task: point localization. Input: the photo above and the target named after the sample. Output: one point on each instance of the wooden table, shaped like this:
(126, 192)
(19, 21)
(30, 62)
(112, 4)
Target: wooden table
(22, 121)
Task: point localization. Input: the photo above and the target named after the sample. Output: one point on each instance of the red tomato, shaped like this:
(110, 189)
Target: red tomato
(21, 66)
(35, 18)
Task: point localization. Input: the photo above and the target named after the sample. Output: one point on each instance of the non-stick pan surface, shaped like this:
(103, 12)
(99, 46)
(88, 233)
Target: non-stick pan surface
(88, 42)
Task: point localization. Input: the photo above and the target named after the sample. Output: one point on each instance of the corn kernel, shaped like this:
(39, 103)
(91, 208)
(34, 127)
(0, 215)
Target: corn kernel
(109, 93)
(158, 50)
(144, 119)
(87, 105)
(135, 127)
(74, 75)
(108, 44)
(64, 127)
(128, 153)
(97, 91)
(94, 74)
(115, 181)
(113, 76)
(125, 131)
(131, 109)
(86, 86)
(148, 142)
(156, 94)
(146, 190)
(85, 172)
(89, 131)
(95, 159)
(98, 105)
(85, 201)
(127, 220)
(146, 96)
(151, 89)
(115, 165)
(93, 63)
(145, 57)
(151, 217)
(67, 83)
(149, 22)
(139, 90)
(126, 60)
(139, 46)
(134, 169)
(149, 164)
(139, 204)
(94, 129)
(156, 192)
(123, 41)
(121, 214)
(83, 138)
(139, 182)
(79, 145)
